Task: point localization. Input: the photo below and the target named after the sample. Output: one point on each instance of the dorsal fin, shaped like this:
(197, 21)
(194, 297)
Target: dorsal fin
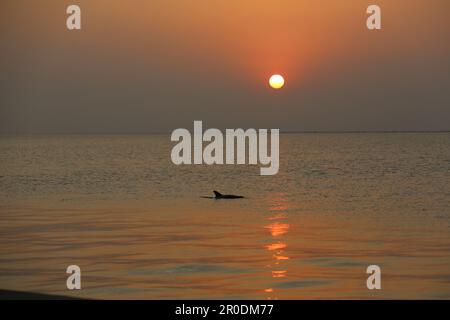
(217, 194)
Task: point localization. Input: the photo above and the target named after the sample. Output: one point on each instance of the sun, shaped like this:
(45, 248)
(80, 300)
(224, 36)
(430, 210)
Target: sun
(276, 81)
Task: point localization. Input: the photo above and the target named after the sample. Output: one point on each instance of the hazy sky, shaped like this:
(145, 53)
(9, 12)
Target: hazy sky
(157, 65)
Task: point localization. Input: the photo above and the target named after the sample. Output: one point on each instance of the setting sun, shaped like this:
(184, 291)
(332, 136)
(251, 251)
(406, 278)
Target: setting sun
(276, 81)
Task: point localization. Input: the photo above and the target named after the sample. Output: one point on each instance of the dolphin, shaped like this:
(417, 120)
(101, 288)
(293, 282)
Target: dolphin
(218, 195)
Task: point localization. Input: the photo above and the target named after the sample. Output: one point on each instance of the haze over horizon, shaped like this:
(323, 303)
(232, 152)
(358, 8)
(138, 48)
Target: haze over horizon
(144, 67)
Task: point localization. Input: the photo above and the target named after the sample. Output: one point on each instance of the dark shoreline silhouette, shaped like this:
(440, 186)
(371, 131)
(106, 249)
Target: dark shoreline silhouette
(24, 295)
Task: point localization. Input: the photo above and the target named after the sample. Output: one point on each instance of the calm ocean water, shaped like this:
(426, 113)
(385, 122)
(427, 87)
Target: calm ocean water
(138, 228)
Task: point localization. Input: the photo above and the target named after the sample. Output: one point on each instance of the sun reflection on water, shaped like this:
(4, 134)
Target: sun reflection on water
(278, 228)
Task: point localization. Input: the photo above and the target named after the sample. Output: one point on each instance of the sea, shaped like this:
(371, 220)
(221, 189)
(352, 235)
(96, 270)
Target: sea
(139, 227)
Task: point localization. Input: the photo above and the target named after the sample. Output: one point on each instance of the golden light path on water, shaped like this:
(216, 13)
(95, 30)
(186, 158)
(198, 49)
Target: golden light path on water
(277, 227)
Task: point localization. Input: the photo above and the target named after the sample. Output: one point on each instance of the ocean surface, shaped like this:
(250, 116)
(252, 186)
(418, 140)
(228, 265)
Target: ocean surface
(138, 227)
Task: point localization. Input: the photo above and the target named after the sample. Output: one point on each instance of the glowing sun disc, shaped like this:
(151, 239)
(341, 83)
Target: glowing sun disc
(276, 81)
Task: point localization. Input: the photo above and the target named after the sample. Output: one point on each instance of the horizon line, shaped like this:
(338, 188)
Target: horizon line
(168, 133)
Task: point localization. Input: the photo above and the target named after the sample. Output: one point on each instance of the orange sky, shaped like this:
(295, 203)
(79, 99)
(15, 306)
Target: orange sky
(204, 51)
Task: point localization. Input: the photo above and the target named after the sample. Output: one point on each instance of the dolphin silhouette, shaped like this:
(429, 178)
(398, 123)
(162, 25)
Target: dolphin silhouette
(226, 196)
(218, 195)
